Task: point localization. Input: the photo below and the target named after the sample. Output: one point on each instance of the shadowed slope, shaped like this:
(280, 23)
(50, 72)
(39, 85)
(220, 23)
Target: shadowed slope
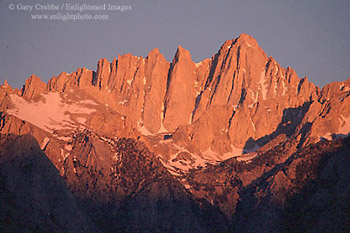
(34, 197)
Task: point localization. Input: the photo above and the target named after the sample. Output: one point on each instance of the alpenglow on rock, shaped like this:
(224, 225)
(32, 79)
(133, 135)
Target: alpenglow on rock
(234, 143)
(231, 104)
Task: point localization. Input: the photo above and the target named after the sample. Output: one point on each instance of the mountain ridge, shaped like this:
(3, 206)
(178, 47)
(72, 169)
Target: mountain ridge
(143, 144)
(202, 105)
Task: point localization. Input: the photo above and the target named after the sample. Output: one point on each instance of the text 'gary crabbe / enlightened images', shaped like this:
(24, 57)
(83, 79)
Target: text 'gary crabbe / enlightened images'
(69, 11)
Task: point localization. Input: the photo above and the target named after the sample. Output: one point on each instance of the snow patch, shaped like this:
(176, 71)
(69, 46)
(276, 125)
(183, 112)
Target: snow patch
(235, 107)
(68, 147)
(64, 155)
(343, 130)
(162, 128)
(51, 114)
(233, 153)
(81, 120)
(251, 121)
(143, 130)
(254, 98)
(255, 148)
(262, 85)
(344, 125)
(198, 64)
(328, 136)
(284, 88)
(116, 156)
(64, 138)
(196, 85)
(246, 157)
(123, 102)
(346, 89)
(209, 153)
(239, 152)
(44, 143)
(178, 166)
(85, 102)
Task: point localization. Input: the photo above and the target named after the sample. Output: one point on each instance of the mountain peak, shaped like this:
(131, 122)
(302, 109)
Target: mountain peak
(247, 88)
(6, 83)
(248, 40)
(33, 87)
(154, 51)
(155, 54)
(161, 139)
(182, 53)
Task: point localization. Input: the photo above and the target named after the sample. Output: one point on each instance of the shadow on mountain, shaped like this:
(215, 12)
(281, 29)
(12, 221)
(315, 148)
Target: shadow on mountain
(337, 136)
(291, 119)
(323, 204)
(137, 194)
(34, 198)
(317, 199)
(142, 196)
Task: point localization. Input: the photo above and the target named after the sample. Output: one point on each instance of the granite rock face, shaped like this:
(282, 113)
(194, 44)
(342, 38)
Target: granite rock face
(33, 87)
(240, 97)
(143, 144)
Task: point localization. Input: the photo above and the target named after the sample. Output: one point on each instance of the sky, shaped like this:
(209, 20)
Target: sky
(311, 36)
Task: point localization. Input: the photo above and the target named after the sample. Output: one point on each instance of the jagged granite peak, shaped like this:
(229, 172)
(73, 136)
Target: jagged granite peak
(245, 80)
(102, 74)
(5, 84)
(155, 81)
(235, 142)
(33, 87)
(329, 116)
(232, 103)
(181, 93)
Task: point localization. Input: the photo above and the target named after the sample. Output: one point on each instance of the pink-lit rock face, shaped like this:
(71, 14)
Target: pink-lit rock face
(230, 104)
(33, 87)
(143, 142)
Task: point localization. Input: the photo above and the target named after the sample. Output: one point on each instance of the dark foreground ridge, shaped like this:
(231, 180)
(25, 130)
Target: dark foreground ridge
(308, 192)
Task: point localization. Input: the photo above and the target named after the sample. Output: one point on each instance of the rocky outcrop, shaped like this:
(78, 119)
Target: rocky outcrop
(33, 87)
(309, 193)
(281, 190)
(232, 103)
(138, 191)
(118, 181)
(255, 92)
(156, 74)
(147, 145)
(181, 94)
(330, 115)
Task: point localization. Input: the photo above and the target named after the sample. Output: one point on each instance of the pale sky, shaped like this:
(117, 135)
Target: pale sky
(311, 36)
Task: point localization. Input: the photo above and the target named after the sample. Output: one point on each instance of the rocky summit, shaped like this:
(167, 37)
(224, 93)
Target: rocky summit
(234, 143)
